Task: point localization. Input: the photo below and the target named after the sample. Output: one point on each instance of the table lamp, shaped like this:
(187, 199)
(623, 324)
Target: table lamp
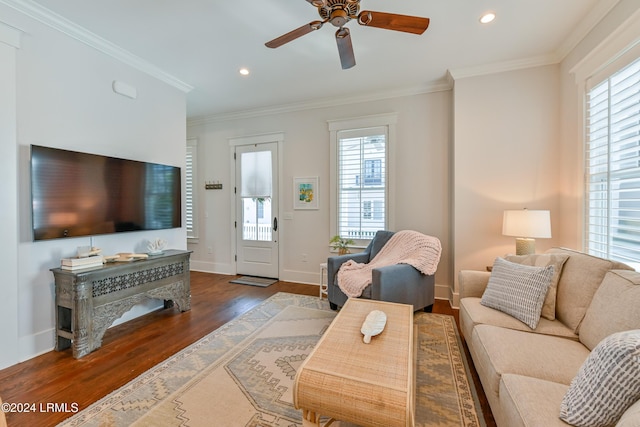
(526, 225)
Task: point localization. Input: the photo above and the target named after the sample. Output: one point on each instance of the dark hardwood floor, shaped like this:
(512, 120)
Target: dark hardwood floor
(134, 347)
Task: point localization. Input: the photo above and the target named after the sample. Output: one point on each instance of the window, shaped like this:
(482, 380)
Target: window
(361, 153)
(613, 166)
(190, 189)
(360, 177)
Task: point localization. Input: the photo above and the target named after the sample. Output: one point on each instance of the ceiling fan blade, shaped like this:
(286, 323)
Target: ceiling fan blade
(292, 35)
(318, 3)
(391, 21)
(345, 48)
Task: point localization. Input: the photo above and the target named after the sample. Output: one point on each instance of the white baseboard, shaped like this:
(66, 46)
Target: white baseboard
(36, 344)
(304, 277)
(211, 267)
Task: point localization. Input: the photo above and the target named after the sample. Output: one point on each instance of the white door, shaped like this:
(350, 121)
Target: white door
(257, 209)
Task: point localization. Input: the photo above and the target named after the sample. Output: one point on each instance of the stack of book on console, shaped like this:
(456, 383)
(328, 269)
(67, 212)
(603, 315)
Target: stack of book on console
(81, 263)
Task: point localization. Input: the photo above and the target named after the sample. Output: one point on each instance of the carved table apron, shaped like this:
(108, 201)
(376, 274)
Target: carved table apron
(89, 301)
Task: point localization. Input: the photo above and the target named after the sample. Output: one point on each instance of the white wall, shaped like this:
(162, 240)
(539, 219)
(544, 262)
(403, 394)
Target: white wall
(9, 42)
(505, 157)
(65, 99)
(420, 193)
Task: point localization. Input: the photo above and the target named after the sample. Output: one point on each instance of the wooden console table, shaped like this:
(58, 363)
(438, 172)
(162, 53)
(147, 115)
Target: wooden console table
(89, 301)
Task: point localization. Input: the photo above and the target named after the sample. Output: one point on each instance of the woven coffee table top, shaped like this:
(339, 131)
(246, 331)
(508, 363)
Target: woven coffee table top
(368, 384)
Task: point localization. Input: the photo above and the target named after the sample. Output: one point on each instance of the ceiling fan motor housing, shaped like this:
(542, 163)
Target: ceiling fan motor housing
(339, 12)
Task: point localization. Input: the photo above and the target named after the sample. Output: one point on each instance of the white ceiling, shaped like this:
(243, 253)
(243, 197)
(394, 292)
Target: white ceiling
(203, 44)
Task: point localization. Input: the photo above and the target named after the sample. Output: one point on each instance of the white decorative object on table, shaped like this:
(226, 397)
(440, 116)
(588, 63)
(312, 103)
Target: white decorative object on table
(373, 325)
(125, 257)
(156, 247)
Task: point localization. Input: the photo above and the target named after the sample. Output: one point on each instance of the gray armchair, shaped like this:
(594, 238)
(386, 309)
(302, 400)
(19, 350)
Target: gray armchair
(400, 283)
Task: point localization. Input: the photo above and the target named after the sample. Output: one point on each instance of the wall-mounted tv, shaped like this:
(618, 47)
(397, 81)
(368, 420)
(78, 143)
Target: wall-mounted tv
(80, 194)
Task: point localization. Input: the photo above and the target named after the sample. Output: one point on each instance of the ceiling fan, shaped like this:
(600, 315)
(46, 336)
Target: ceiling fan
(339, 13)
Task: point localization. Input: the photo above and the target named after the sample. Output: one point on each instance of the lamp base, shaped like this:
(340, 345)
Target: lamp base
(525, 246)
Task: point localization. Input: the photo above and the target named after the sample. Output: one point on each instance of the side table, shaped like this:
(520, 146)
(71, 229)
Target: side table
(324, 280)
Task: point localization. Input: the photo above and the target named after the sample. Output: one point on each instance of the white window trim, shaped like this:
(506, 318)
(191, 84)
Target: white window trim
(614, 52)
(390, 121)
(193, 237)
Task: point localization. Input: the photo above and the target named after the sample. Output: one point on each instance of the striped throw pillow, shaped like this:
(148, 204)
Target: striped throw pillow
(518, 290)
(607, 384)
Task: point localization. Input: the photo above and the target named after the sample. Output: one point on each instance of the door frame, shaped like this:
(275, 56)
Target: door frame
(277, 137)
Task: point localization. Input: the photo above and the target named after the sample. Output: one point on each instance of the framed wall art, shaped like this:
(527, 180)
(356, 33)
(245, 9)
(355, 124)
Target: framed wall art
(305, 192)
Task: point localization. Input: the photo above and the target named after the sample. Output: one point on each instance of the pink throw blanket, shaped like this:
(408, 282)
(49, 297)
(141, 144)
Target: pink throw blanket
(404, 247)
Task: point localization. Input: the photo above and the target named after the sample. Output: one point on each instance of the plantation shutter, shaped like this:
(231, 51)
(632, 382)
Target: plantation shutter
(613, 166)
(362, 182)
(190, 189)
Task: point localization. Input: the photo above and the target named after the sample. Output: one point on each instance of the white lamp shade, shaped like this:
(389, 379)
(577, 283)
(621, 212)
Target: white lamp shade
(527, 223)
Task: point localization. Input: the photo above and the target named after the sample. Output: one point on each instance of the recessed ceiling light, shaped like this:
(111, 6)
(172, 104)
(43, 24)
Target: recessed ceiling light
(244, 71)
(487, 17)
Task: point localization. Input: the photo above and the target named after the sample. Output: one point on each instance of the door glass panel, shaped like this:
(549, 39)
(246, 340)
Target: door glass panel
(256, 218)
(256, 195)
(256, 174)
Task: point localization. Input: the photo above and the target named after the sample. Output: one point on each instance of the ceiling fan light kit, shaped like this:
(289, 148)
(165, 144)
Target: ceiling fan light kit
(339, 13)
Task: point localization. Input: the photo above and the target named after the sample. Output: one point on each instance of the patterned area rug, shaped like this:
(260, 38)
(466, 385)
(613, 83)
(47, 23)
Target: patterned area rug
(242, 374)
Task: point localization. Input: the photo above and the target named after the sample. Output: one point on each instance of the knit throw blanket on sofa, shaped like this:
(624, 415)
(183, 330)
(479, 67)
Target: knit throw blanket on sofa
(404, 247)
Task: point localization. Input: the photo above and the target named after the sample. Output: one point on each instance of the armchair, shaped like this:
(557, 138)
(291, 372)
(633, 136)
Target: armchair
(399, 283)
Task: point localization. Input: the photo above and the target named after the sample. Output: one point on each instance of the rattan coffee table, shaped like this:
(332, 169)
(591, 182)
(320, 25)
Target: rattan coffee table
(366, 384)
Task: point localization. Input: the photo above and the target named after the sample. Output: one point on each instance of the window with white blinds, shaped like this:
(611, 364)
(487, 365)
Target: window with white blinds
(190, 189)
(613, 166)
(362, 182)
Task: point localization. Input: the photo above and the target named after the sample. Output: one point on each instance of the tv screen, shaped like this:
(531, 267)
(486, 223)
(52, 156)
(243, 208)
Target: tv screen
(79, 194)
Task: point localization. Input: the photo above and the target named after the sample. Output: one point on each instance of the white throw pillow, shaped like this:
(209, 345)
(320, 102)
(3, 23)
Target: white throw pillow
(607, 384)
(542, 260)
(518, 290)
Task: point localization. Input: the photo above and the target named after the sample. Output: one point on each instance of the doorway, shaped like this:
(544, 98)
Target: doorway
(256, 209)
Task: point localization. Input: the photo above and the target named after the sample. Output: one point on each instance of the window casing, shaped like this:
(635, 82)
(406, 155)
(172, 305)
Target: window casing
(191, 178)
(613, 166)
(361, 173)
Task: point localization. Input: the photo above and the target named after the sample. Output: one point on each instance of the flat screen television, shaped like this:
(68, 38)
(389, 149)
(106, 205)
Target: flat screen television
(80, 194)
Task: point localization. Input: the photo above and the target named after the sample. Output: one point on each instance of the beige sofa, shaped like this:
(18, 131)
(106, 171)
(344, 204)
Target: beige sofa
(526, 372)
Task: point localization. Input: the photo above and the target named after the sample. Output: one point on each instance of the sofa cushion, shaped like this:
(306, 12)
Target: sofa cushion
(543, 260)
(497, 351)
(631, 417)
(581, 276)
(614, 307)
(473, 313)
(607, 384)
(518, 290)
(527, 401)
(472, 283)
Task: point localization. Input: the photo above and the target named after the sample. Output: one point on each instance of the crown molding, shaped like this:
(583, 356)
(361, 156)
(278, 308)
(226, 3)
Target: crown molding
(620, 42)
(10, 35)
(65, 26)
(588, 23)
(570, 42)
(438, 86)
(500, 67)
